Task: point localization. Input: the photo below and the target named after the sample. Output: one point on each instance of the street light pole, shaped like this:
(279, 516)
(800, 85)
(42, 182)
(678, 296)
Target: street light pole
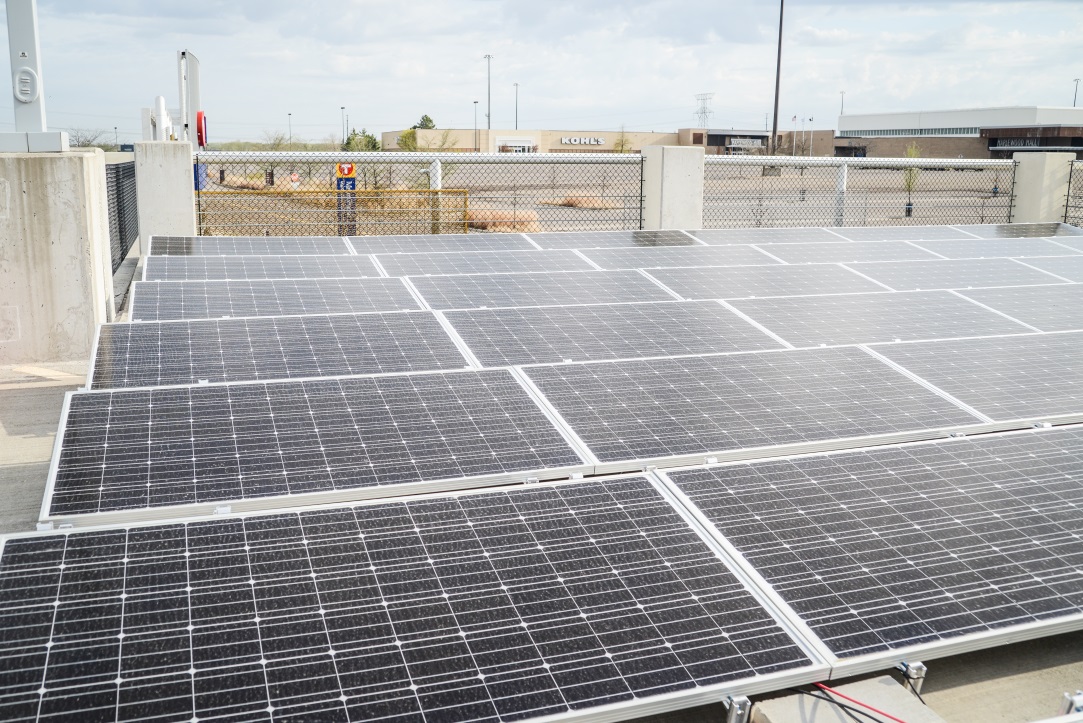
(116, 138)
(289, 120)
(342, 109)
(842, 103)
(1075, 95)
(778, 75)
(489, 91)
(517, 106)
(476, 149)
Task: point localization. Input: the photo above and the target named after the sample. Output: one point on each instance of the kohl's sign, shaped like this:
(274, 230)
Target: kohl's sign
(572, 141)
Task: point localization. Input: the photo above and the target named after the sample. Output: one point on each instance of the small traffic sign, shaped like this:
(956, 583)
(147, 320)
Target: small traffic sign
(345, 184)
(345, 170)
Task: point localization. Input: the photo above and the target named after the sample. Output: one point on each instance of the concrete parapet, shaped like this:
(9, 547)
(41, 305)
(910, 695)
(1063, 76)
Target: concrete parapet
(165, 184)
(1041, 186)
(55, 274)
(672, 187)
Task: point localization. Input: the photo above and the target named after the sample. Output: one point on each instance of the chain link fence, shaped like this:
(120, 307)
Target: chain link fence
(123, 210)
(754, 191)
(1073, 208)
(294, 194)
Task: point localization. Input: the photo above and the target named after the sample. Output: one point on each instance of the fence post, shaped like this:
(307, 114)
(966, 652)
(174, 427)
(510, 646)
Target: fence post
(840, 194)
(1040, 191)
(56, 281)
(672, 187)
(164, 184)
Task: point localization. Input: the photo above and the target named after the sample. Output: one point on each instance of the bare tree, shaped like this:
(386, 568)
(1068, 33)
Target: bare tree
(90, 138)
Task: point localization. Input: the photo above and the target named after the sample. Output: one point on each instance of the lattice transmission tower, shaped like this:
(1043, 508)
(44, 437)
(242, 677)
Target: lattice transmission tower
(703, 111)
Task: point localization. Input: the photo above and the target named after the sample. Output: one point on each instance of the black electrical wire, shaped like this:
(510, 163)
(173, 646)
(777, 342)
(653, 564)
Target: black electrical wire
(913, 688)
(847, 709)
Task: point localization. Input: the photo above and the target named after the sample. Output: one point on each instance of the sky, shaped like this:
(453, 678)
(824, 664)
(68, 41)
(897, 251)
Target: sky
(585, 65)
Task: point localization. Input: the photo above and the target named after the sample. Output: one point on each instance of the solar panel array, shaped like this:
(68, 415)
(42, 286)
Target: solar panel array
(241, 458)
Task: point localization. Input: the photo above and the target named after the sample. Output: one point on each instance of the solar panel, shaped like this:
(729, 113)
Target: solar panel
(552, 289)
(1022, 230)
(612, 239)
(644, 409)
(886, 548)
(1066, 267)
(764, 235)
(495, 607)
(278, 347)
(1004, 378)
(582, 333)
(151, 448)
(900, 233)
(246, 245)
(245, 268)
(1047, 308)
(957, 274)
(1075, 244)
(439, 242)
(481, 262)
(843, 251)
(862, 318)
(989, 248)
(748, 281)
(165, 300)
(690, 256)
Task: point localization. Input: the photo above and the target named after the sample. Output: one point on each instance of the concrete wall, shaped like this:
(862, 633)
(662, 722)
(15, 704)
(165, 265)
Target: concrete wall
(672, 187)
(55, 273)
(1041, 186)
(165, 184)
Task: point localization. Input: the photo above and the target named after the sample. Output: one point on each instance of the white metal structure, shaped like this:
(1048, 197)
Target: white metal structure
(954, 123)
(188, 85)
(31, 133)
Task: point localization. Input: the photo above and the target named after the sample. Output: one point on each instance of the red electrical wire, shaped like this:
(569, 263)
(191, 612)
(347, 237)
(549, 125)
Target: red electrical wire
(877, 711)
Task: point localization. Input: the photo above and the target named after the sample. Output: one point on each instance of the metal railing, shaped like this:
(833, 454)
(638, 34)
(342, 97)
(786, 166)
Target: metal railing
(754, 191)
(123, 210)
(291, 194)
(1073, 207)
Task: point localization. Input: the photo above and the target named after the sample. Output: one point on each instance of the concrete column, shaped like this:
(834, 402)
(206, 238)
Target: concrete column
(56, 281)
(165, 184)
(672, 187)
(1041, 186)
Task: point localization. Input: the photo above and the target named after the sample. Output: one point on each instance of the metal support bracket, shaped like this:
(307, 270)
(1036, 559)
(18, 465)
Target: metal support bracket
(738, 709)
(914, 674)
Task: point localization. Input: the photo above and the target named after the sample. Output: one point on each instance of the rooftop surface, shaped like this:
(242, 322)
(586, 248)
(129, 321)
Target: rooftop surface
(604, 476)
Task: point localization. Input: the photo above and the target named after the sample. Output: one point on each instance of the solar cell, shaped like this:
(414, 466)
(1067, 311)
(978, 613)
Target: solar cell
(900, 233)
(861, 318)
(994, 247)
(132, 449)
(246, 245)
(890, 547)
(581, 333)
(612, 239)
(680, 256)
(1070, 242)
(1048, 308)
(251, 268)
(1005, 377)
(1066, 267)
(955, 274)
(643, 409)
(553, 289)
(439, 242)
(1021, 230)
(165, 300)
(842, 251)
(750, 281)
(764, 235)
(280, 347)
(482, 607)
(481, 262)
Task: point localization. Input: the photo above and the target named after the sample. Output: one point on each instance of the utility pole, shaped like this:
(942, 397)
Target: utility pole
(516, 106)
(842, 103)
(476, 148)
(778, 76)
(489, 91)
(289, 120)
(116, 138)
(1076, 94)
(342, 108)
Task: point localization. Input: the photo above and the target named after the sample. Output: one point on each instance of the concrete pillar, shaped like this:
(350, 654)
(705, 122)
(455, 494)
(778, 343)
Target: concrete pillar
(1041, 186)
(672, 187)
(165, 184)
(56, 281)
